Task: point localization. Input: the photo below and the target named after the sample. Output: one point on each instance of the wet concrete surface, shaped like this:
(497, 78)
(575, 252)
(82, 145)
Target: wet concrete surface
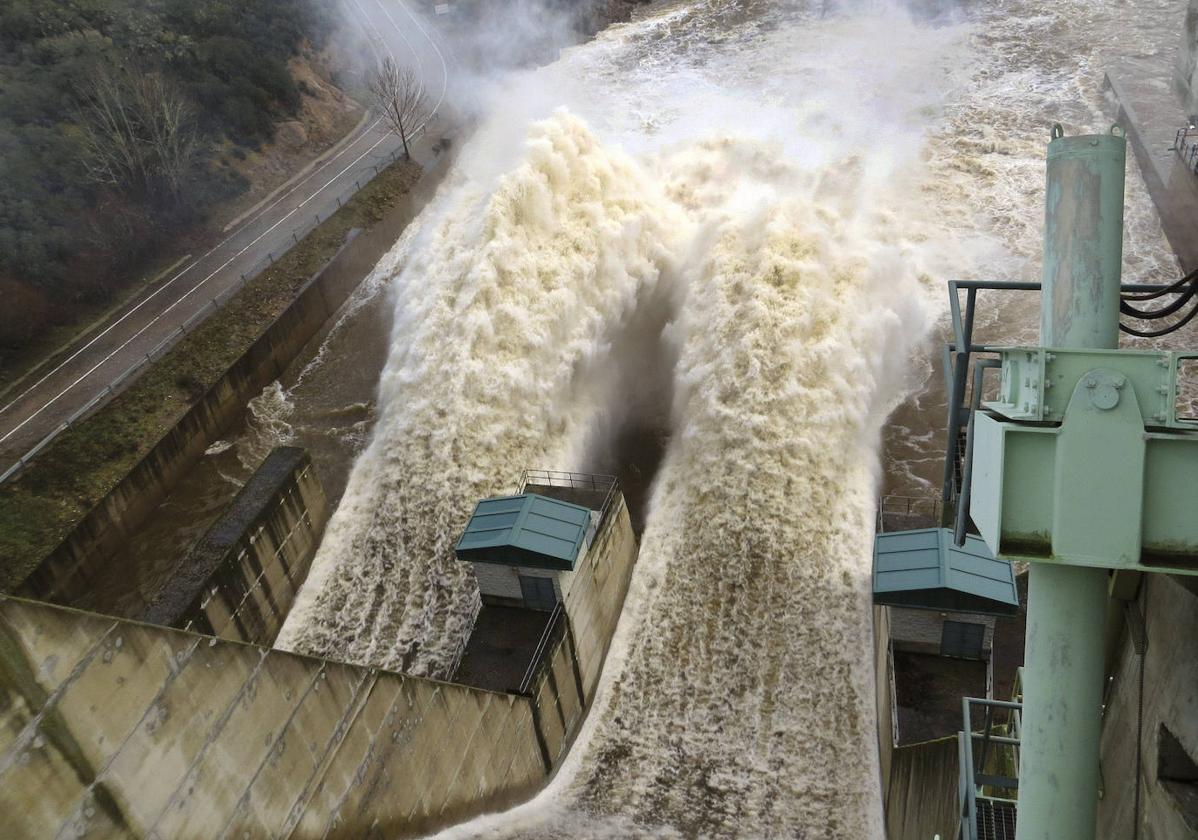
(928, 691)
(1151, 110)
(500, 648)
(330, 413)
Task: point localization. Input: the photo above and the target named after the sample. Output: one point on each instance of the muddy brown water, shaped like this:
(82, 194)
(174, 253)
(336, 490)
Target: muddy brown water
(324, 402)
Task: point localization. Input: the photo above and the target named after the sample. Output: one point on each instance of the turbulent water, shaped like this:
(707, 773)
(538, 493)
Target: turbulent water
(742, 223)
(510, 298)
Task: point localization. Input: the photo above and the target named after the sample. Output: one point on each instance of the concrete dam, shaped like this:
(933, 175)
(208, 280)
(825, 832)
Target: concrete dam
(119, 727)
(666, 515)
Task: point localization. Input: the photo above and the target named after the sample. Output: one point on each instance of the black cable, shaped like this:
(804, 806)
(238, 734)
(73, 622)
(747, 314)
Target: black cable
(1167, 290)
(1163, 330)
(1186, 290)
(1153, 314)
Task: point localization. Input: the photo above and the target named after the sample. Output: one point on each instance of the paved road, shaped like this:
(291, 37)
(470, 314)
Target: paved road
(98, 365)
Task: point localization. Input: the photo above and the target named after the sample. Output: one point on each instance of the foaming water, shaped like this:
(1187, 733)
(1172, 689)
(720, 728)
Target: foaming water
(792, 265)
(1033, 64)
(268, 425)
(739, 698)
(791, 184)
(508, 300)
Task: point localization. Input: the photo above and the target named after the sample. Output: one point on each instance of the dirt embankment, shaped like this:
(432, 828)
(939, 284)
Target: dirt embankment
(327, 114)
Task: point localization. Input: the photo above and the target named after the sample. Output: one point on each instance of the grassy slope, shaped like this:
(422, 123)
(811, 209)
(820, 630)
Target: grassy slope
(40, 508)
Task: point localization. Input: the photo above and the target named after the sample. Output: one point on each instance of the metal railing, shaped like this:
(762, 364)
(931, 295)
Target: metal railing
(898, 505)
(538, 654)
(1186, 146)
(989, 778)
(163, 347)
(599, 482)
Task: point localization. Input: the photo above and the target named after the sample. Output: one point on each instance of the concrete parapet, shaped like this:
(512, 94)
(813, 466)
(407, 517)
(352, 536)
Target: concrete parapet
(240, 579)
(564, 682)
(596, 591)
(1151, 112)
(1185, 72)
(68, 572)
(118, 728)
(884, 696)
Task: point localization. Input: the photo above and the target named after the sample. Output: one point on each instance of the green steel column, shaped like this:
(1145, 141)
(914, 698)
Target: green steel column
(1083, 241)
(1063, 657)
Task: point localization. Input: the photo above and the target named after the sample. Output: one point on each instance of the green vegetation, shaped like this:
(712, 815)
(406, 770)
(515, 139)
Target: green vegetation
(75, 472)
(114, 117)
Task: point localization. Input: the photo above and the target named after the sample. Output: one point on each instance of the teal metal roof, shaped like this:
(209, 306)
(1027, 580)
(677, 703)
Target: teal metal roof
(525, 530)
(924, 570)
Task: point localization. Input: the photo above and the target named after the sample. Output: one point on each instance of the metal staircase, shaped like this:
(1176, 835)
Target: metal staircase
(989, 774)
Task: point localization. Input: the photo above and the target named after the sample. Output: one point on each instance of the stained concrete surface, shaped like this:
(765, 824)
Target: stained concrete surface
(241, 578)
(1150, 109)
(501, 647)
(922, 791)
(1133, 721)
(113, 728)
(928, 691)
(109, 727)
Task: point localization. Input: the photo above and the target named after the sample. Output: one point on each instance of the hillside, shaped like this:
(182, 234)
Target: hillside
(127, 125)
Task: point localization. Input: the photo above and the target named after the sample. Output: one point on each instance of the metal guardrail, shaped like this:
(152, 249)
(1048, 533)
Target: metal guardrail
(120, 382)
(538, 654)
(577, 481)
(894, 504)
(984, 814)
(164, 346)
(1186, 146)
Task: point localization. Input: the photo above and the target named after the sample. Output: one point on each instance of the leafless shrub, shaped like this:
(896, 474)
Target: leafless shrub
(139, 132)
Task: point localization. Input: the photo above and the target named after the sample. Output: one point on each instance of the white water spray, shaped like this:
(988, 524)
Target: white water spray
(509, 301)
(796, 196)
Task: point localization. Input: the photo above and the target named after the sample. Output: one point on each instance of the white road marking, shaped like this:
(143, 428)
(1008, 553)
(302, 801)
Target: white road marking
(239, 231)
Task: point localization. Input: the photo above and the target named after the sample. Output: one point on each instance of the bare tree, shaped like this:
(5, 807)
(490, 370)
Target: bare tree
(139, 132)
(399, 94)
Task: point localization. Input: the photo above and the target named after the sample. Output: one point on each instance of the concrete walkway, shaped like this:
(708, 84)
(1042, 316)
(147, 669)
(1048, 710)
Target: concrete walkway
(1151, 111)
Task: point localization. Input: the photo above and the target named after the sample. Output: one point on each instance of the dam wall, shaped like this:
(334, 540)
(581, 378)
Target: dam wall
(883, 697)
(921, 800)
(1164, 708)
(596, 593)
(118, 728)
(1152, 102)
(564, 682)
(114, 727)
(72, 567)
(240, 579)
